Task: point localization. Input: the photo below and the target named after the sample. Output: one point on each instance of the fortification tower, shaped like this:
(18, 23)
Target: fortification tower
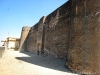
(84, 51)
(24, 33)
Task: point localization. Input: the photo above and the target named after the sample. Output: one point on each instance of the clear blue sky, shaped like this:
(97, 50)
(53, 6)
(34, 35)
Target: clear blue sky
(14, 14)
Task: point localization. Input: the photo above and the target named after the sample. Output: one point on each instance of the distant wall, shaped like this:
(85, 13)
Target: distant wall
(13, 44)
(16, 44)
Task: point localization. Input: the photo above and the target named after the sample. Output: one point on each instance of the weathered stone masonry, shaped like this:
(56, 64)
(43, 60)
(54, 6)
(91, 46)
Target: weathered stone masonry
(71, 32)
(24, 33)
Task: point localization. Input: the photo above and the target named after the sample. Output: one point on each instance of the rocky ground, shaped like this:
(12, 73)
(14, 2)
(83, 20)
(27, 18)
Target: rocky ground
(15, 63)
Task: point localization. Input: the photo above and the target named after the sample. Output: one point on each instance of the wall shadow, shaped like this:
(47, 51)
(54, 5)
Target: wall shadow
(45, 61)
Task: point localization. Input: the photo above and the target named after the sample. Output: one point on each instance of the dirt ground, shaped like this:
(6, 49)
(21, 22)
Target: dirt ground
(15, 63)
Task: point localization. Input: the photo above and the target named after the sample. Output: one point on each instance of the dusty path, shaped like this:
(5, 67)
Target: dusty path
(15, 63)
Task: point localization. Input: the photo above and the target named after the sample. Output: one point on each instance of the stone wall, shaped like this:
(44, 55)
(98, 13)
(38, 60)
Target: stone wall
(40, 35)
(83, 53)
(57, 31)
(2, 49)
(24, 33)
(31, 39)
(71, 32)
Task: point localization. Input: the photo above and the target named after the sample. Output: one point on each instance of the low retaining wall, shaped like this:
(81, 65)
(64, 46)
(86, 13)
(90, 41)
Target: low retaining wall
(2, 49)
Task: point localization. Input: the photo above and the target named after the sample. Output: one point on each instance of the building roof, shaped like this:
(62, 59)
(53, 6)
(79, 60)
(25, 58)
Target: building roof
(13, 39)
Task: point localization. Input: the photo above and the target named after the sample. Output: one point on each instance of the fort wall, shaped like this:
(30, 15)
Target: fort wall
(24, 33)
(57, 31)
(31, 39)
(71, 32)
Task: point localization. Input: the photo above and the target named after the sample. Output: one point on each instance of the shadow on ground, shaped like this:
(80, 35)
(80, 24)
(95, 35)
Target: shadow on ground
(45, 61)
